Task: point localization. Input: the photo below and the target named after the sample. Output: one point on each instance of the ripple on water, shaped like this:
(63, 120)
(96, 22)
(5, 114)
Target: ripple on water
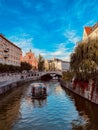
(57, 112)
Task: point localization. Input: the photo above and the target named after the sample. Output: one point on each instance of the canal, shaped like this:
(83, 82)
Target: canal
(62, 110)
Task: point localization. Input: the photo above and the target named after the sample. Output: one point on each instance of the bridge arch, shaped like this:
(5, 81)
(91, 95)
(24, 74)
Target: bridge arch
(50, 75)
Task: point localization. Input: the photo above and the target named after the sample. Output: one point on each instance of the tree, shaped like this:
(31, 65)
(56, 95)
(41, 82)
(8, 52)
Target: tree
(25, 66)
(84, 60)
(41, 65)
(9, 68)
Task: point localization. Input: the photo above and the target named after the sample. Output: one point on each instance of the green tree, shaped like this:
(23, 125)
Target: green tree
(67, 76)
(84, 60)
(9, 68)
(25, 66)
(41, 65)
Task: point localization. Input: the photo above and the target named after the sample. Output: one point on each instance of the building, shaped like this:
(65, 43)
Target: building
(61, 65)
(57, 65)
(31, 59)
(90, 33)
(47, 64)
(9, 52)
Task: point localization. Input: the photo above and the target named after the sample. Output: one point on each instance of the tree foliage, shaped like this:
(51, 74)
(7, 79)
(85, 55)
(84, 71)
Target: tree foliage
(9, 68)
(67, 76)
(41, 65)
(25, 66)
(84, 60)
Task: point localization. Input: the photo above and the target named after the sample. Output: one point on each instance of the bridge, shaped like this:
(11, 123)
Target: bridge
(4, 77)
(45, 75)
(50, 75)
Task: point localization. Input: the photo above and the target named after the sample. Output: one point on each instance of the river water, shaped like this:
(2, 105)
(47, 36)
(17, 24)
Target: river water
(62, 110)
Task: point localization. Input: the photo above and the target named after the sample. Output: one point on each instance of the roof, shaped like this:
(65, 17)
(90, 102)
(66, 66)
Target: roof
(9, 41)
(88, 30)
(38, 85)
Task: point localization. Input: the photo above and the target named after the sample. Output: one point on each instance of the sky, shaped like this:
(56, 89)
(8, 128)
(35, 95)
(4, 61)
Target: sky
(47, 27)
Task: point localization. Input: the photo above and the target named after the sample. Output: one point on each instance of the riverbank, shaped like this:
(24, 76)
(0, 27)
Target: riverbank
(8, 85)
(87, 93)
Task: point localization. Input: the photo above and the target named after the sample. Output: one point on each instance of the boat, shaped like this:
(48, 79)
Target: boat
(38, 90)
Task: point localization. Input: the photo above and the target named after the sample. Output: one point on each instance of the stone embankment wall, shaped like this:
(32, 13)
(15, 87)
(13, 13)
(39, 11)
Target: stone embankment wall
(10, 81)
(88, 92)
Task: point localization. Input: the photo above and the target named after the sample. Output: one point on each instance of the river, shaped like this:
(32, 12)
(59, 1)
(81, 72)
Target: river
(61, 110)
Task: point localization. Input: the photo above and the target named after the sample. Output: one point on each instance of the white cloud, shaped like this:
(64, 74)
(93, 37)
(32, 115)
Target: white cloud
(61, 52)
(24, 43)
(81, 10)
(89, 23)
(27, 43)
(72, 36)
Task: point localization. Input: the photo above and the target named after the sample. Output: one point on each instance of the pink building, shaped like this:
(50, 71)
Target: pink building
(31, 59)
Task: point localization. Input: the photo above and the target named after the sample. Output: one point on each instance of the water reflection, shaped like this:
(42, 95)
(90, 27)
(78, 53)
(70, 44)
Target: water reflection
(9, 108)
(36, 103)
(39, 103)
(87, 110)
(61, 110)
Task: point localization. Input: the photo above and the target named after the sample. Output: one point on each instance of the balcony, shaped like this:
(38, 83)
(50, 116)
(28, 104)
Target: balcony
(6, 49)
(6, 56)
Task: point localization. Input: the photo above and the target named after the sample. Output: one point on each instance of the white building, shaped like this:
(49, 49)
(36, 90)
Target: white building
(61, 65)
(65, 66)
(57, 64)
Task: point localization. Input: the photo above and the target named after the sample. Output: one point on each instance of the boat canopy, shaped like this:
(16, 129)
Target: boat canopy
(38, 85)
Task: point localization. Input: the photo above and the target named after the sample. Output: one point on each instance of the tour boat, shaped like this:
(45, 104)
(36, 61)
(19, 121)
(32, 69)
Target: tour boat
(39, 90)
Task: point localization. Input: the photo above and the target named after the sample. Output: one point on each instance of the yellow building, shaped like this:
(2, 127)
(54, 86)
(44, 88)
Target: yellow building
(90, 33)
(9, 52)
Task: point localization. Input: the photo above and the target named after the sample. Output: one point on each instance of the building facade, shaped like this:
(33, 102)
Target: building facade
(31, 59)
(61, 65)
(9, 52)
(57, 65)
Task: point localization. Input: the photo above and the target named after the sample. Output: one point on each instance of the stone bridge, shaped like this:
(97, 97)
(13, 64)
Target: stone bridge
(4, 77)
(49, 75)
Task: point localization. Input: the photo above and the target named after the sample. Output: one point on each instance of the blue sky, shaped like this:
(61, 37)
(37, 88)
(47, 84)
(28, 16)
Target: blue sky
(48, 27)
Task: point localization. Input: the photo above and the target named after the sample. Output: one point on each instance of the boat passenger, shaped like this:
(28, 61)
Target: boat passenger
(44, 90)
(33, 90)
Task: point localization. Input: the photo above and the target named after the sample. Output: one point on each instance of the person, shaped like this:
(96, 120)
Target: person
(33, 90)
(44, 90)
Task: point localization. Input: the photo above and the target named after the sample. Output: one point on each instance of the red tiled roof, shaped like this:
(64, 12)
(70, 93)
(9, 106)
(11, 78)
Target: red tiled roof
(88, 30)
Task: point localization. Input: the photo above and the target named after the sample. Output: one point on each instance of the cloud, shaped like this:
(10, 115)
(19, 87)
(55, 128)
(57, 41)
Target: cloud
(60, 52)
(27, 43)
(81, 8)
(71, 36)
(89, 23)
(24, 43)
(41, 24)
